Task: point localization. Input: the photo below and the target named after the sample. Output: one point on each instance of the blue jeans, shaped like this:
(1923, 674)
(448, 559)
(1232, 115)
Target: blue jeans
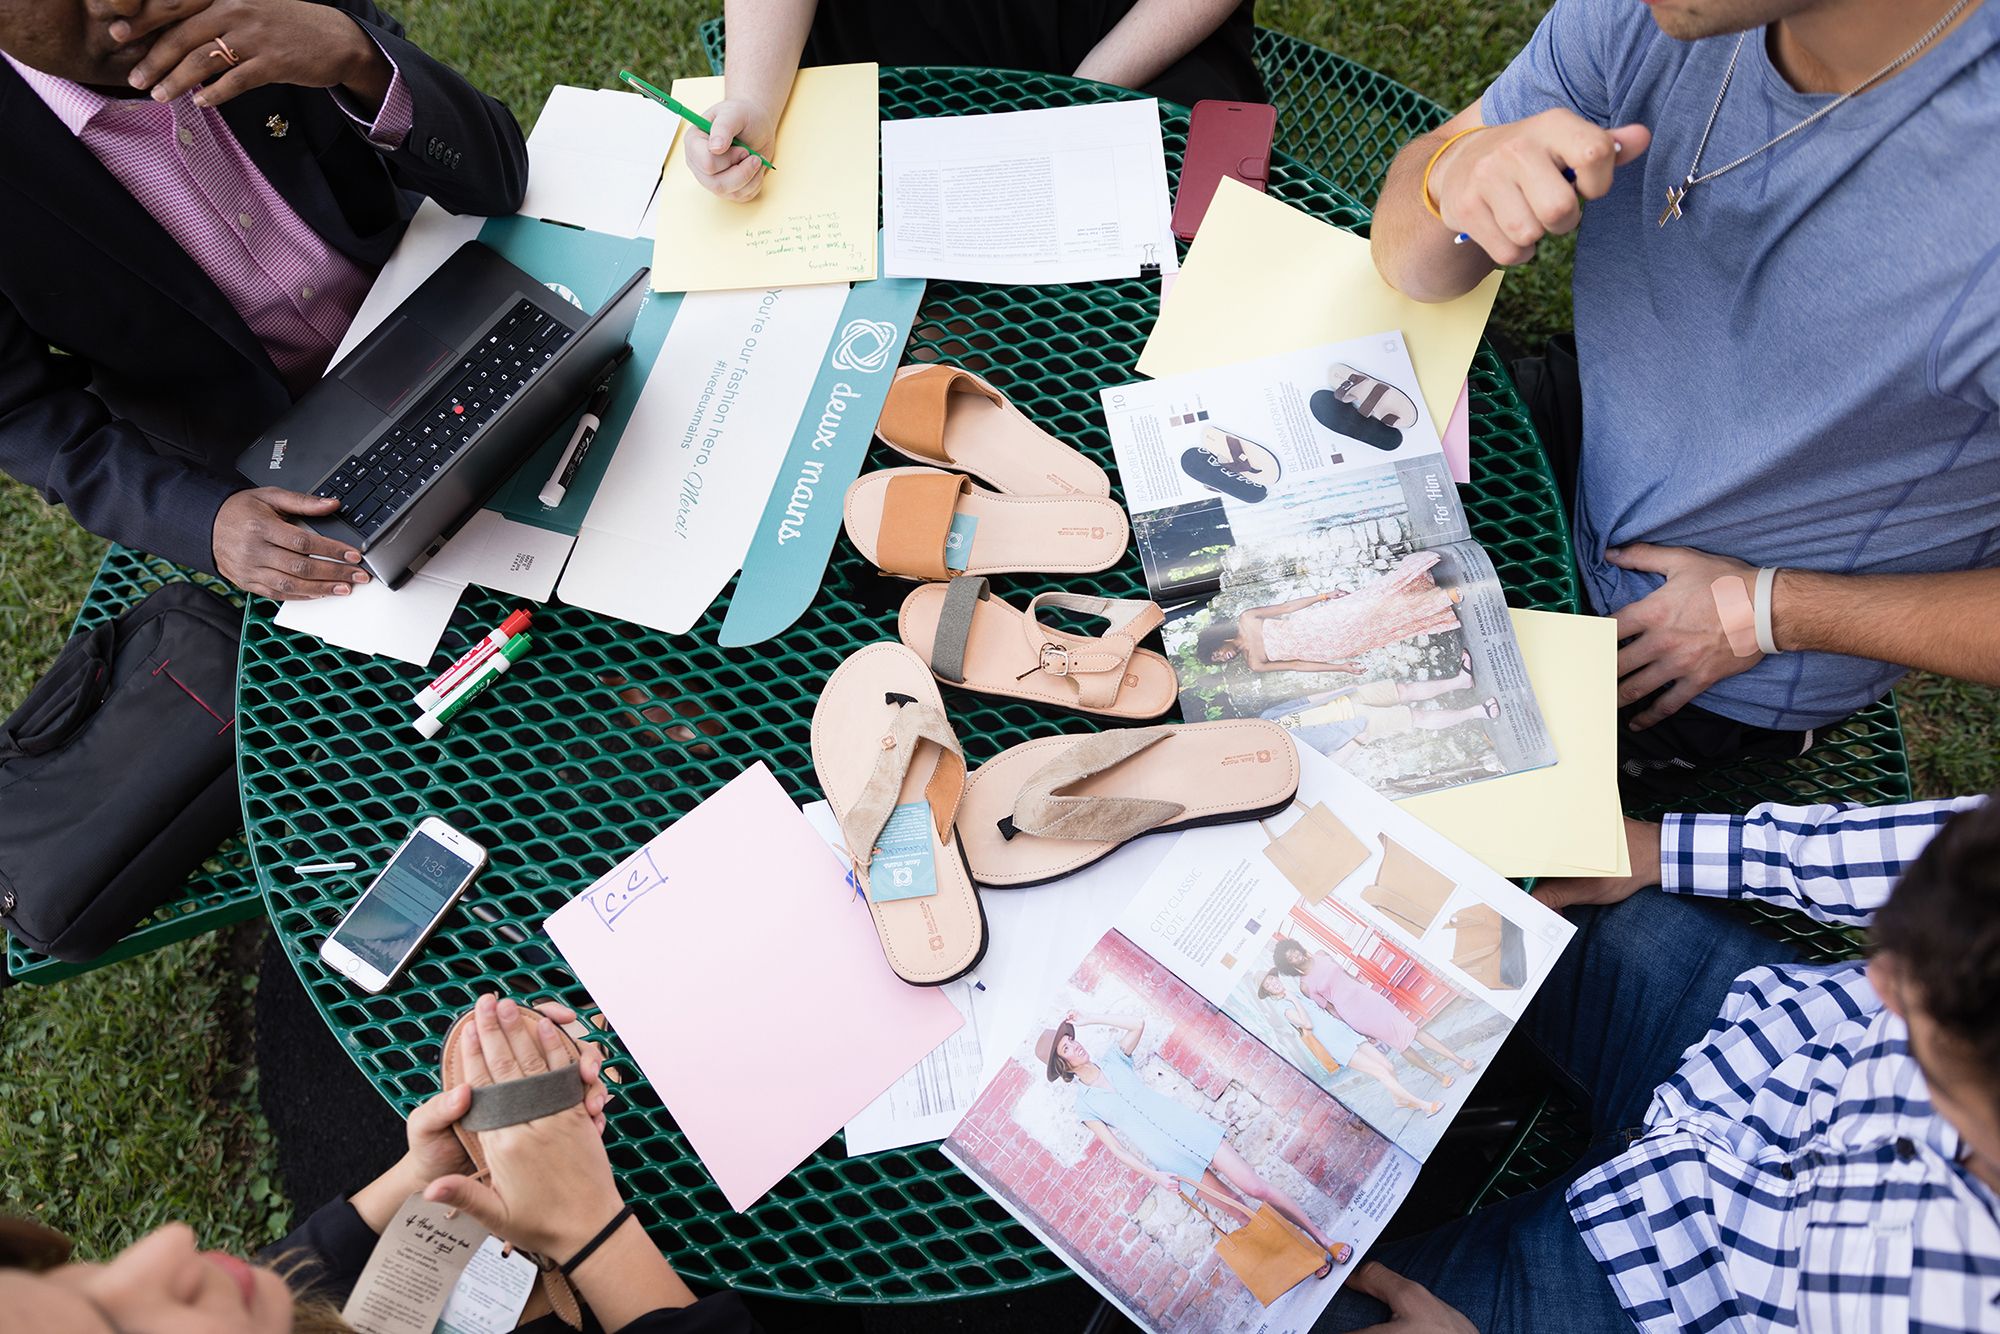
(1640, 984)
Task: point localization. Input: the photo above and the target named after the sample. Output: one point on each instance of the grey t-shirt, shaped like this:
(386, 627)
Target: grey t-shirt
(1803, 369)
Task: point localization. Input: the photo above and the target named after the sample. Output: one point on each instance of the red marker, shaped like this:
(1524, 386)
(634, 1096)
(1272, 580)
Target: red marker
(470, 661)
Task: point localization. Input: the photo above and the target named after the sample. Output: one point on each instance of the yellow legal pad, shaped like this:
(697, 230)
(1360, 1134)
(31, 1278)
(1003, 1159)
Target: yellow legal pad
(1565, 819)
(814, 220)
(1263, 278)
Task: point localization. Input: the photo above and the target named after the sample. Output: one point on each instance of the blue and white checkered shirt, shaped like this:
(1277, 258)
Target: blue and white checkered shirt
(1793, 1174)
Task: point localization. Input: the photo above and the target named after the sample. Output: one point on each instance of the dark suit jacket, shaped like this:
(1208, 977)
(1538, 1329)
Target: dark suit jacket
(138, 428)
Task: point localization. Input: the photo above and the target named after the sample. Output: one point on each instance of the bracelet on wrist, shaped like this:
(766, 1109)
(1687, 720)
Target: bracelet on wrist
(1760, 603)
(1430, 203)
(589, 1248)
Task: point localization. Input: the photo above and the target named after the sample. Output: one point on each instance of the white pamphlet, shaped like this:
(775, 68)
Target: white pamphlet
(1065, 195)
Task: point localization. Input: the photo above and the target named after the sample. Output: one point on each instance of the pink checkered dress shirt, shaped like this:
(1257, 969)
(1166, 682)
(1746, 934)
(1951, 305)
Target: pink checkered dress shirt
(185, 167)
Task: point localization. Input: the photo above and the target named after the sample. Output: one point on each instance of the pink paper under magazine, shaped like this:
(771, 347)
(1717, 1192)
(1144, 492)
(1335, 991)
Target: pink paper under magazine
(738, 969)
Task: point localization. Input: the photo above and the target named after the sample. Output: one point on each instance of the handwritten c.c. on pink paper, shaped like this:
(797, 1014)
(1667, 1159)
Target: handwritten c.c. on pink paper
(741, 973)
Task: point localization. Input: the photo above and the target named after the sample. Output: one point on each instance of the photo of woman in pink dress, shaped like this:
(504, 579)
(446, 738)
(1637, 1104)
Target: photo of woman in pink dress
(1328, 632)
(1324, 980)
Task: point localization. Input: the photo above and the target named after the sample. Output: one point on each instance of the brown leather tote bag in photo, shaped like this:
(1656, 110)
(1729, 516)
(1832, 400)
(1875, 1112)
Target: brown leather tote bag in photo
(1268, 1254)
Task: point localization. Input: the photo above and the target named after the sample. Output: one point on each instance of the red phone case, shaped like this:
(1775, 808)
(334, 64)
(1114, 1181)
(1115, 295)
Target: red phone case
(1224, 139)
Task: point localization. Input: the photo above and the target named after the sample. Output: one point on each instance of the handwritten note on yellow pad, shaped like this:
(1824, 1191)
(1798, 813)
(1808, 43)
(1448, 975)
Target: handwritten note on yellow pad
(1263, 278)
(814, 220)
(1565, 819)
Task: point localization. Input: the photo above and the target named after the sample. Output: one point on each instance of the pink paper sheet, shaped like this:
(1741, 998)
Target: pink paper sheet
(740, 971)
(1458, 437)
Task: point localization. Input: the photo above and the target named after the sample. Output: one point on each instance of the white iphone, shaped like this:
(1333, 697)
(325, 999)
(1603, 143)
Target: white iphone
(398, 912)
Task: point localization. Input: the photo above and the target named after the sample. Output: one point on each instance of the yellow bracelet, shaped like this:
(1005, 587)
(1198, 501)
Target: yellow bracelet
(1430, 166)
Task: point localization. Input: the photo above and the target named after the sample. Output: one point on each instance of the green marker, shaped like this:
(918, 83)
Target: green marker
(430, 724)
(681, 110)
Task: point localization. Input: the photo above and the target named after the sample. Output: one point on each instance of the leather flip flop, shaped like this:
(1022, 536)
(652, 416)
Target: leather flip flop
(510, 1103)
(972, 639)
(1045, 809)
(920, 523)
(948, 417)
(892, 770)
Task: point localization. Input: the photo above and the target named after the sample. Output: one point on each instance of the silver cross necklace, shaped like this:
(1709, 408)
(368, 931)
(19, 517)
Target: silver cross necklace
(1695, 176)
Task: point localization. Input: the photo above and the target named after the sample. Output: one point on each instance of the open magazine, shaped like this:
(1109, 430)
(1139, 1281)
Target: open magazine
(1296, 517)
(1246, 1073)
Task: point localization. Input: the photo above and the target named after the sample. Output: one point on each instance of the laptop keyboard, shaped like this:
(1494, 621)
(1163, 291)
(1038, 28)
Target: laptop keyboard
(374, 486)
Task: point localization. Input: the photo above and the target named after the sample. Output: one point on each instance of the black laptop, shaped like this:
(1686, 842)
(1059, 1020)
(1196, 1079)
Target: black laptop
(421, 423)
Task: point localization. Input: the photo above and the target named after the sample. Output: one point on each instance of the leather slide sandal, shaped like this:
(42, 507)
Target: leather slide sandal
(972, 639)
(893, 772)
(1045, 809)
(510, 1103)
(920, 523)
(950, 418)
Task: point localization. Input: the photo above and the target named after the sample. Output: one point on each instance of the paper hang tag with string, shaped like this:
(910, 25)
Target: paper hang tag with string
(412, 1270)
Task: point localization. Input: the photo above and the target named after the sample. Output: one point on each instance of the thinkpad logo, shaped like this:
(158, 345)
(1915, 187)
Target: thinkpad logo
(278, 454)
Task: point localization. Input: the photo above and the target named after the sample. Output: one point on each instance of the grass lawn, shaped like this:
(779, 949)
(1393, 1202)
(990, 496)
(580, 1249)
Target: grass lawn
(126, 1096)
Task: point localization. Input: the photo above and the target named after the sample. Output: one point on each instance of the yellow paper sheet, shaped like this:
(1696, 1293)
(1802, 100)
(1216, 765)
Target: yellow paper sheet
(1565, 819)
(814, 220)
(1263, 278)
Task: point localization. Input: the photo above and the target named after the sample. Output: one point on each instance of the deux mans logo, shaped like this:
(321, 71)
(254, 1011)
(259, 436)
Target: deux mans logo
(865, 346)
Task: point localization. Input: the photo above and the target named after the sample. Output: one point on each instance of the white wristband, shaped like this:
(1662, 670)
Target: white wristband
(1760, 603)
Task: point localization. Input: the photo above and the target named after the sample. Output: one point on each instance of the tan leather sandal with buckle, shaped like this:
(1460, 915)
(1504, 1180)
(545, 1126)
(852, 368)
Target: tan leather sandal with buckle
(1045, 809)
(891, 768)
(972, 639)
(950, 418)
(920, 523)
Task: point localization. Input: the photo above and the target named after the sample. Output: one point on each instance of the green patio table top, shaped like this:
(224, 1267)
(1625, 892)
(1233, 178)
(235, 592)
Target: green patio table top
(607, 732)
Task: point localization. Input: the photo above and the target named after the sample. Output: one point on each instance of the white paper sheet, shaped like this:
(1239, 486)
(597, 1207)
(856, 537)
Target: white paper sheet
(503, 554)
(1069, 194)
(405, 625)
(682, 496)
(1035, 938)
(595, 158)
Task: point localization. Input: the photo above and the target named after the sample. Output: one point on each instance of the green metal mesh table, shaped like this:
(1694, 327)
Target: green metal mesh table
(607, 732)
(222, 890)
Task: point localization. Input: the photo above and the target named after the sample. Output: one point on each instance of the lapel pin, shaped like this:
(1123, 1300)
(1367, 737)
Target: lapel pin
(277, 125)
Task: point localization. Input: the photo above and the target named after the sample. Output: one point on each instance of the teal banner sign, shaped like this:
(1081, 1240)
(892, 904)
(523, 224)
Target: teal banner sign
(788, 553)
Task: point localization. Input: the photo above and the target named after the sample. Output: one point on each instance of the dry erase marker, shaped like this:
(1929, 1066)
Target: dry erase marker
(430, 724)
(472, 678)
(468, 662)
(685, 113)
(557, 486)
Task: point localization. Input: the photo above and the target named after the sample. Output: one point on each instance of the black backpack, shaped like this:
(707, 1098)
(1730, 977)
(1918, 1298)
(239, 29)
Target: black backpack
(118, 773)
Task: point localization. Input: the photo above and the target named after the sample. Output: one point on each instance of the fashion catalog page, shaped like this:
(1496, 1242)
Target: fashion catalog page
(1297, 518)
(1216, 1115)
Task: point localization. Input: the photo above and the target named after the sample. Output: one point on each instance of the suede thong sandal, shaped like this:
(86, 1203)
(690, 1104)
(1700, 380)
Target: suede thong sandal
(950, 418)
(506, 1104)
(1045, 809)
(972, 639)
(920, 523)
(891, 768)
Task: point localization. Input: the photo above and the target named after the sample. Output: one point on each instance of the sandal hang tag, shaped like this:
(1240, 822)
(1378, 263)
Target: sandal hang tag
(412, 1270)
(491, 1293)
(904, 865)
(958, 542)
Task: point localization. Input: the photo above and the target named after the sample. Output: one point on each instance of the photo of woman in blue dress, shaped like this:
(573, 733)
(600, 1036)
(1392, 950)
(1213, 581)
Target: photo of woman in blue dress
(1160, 1139)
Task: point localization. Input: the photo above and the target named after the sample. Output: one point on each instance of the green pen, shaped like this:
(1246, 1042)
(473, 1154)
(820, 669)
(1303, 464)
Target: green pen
(680, 109)
(431, 723)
